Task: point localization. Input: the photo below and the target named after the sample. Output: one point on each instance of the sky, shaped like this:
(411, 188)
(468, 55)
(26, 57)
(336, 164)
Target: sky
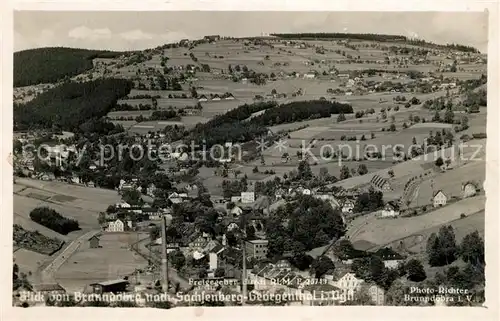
(129, 30)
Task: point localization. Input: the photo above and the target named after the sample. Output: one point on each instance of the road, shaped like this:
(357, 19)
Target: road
(173, 276)
(47, 274)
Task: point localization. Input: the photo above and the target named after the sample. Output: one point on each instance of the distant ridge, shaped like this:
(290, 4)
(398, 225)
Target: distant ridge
(373, 37)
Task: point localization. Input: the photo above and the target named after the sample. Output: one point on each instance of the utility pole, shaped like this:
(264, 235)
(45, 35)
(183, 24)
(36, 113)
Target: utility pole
(244, 274)
(164, 258)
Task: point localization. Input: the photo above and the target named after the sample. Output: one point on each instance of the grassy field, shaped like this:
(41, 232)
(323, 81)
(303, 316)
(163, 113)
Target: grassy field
(384, 231)
(87, 218)
(111, 261)
(461, 227)
(29, 261)
(79, 197)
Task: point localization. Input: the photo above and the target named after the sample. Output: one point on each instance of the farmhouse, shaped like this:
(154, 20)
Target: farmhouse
(202, 98)
(380, 183)
(391, 209)
(439, 199)
(391, 258)
(349, 283)
(116, 226)
(469, 189)
(348, 206)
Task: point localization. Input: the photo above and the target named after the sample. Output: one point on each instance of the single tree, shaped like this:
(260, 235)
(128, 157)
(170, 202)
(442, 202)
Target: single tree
(415, 271)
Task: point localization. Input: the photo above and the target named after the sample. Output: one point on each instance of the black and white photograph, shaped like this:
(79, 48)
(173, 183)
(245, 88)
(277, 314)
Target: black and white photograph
(167, 160)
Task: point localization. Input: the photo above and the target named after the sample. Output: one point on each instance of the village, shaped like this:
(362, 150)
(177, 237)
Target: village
(128, 205)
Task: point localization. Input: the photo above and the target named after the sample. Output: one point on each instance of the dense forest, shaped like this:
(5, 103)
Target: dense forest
(300, 110)
(231, 127)
(50, 218)
(70, 105)
(310, 223)
(49, 65)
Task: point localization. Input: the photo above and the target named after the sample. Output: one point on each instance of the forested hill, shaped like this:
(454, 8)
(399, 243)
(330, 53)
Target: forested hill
(373, 37)
(70, 105)
(49, 65)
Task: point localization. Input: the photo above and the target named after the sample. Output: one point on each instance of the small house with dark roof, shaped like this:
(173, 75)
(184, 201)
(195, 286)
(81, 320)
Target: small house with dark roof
(94, 242)
(391, 258)
(111, 286)
(202, 98)
(391, 209)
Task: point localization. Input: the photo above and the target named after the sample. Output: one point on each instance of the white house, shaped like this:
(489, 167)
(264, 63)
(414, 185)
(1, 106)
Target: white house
(309, 75)
(235, 199)
(116, 226)
(202, 98)
(236, 211)
(216, 97)
(439, 199)
(347, 207)
(391, 209)
(306, 191)
(151, 189)
(349, 283)
(469, 189)
(376, 294)
(247, 197)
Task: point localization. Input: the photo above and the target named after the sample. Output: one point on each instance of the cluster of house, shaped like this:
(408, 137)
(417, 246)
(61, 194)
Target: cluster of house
(215, 97)
(439, 199)
(280, 276)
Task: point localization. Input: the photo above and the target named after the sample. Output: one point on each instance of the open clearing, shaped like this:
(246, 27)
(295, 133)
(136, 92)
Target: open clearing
(112, 260)
(80, 197)
(383, 231)
(24, 205)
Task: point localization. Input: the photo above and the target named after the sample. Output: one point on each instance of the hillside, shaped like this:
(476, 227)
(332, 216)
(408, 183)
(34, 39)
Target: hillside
(71, 105)
(48, 65)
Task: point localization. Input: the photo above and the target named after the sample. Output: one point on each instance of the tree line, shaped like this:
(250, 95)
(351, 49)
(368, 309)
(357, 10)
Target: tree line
(70, 105)
(49, 65)
(357, 36)
(53, 220)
